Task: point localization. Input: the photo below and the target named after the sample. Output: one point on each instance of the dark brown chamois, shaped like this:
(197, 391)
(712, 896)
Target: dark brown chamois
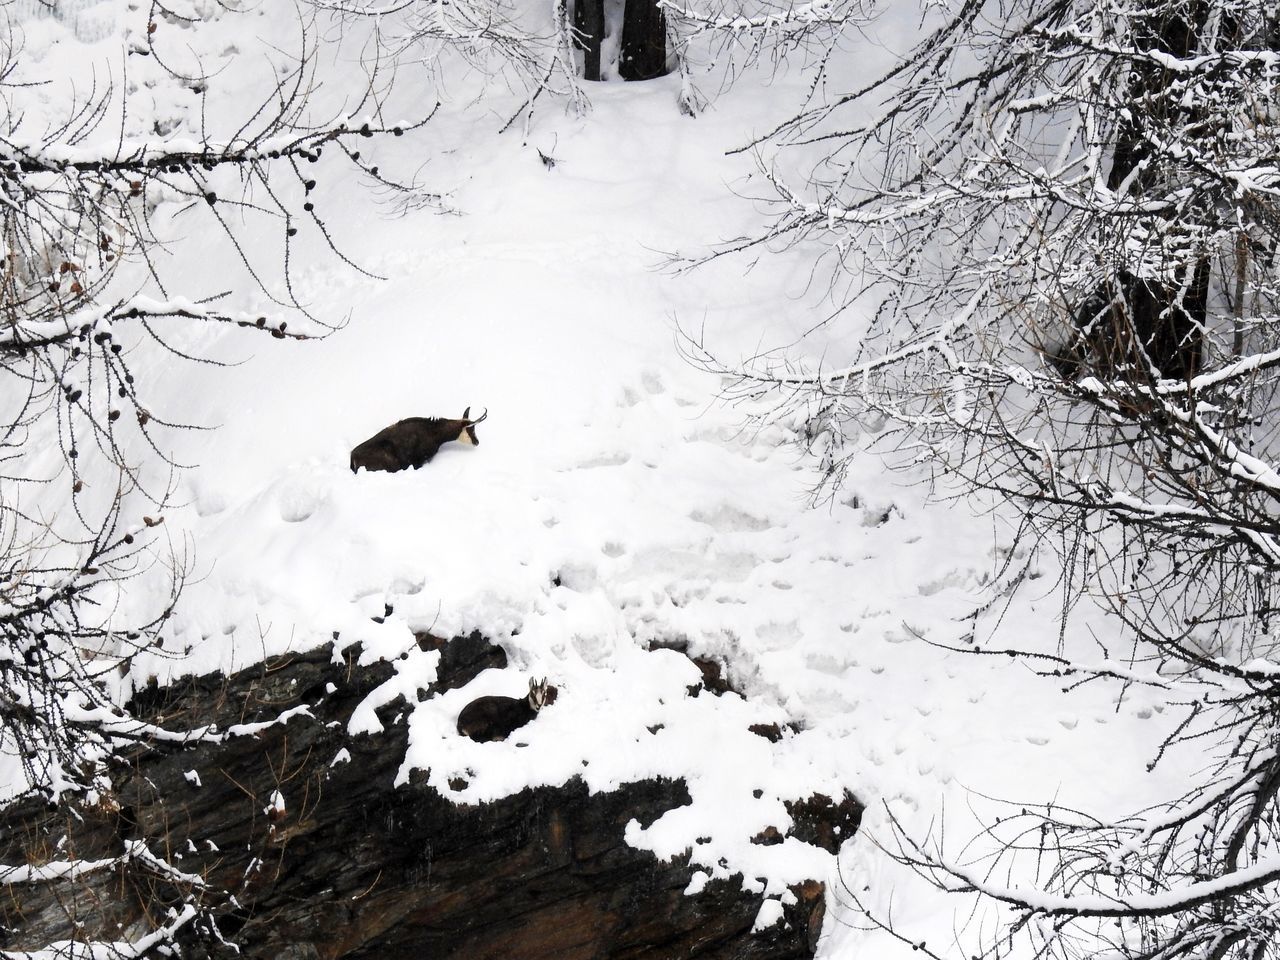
(413, 442)
(494, 718)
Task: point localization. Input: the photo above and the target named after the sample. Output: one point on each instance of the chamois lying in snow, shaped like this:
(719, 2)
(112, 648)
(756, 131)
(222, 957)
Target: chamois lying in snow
(495, 718)
(413, 442)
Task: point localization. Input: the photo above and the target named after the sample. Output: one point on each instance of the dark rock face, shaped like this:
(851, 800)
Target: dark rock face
(462, 659)
(308, 851)
(823, 822)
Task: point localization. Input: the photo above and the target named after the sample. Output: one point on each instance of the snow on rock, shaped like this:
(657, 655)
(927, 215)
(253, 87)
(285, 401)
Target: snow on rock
(770, 914)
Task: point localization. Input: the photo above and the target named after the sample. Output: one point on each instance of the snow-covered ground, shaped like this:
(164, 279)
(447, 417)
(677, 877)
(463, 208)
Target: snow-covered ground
(613, 506)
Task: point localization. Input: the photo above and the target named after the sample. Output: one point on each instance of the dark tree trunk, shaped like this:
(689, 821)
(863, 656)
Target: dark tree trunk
(588, 24)
(1166, 319)
(644, 41)
(1176, 36)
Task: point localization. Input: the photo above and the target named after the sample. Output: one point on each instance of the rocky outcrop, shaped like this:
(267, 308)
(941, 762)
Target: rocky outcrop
(295, 843)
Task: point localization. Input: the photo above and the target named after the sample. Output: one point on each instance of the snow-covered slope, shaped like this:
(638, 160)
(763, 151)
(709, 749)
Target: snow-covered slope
(613, 507)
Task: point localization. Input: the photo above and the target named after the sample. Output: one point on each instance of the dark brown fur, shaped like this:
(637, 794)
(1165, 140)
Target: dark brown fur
(496, 718)
(411, 442)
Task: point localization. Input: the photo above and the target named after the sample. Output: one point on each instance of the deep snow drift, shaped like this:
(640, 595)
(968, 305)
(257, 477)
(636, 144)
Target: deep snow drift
(612, 507)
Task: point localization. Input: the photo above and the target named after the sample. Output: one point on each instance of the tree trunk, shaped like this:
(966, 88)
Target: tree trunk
(588, 24)
(1166, 319)
(1176, 36)
(644, 41)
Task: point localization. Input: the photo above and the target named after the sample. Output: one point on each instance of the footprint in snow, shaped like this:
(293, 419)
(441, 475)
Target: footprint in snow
(604, 460)
(823, 663)
(209, 503)
(777, 636)
(727, 519)
(406, 586)
(578, 577)
(298, 502)
(596, 650)
(953, 579)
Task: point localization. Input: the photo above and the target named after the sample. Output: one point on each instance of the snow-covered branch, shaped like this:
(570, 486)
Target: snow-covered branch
(1056, 223)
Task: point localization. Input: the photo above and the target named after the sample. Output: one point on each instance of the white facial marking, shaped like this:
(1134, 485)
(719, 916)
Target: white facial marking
(465, 437)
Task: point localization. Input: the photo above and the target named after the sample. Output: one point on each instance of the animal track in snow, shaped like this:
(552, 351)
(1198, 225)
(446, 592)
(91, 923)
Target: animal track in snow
(727, 519)
(297, 504)
(778, 635)
(406, 586)
(596, 650)
(652, 383)
(613, 550)
(578, 577)
(824, 663)
(684, 593)
(604, 460)
(729, 437)
(209, 503)
(877, 517)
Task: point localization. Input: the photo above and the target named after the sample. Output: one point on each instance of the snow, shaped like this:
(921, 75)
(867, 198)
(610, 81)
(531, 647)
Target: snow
(613, 510)
(769, 915)
(124, 950)
(44, 872)
(73, 869)
(697, 883)
(1165, 902)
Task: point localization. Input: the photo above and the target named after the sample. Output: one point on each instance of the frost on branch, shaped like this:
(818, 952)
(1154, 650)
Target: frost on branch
(1053, 230)
(88, 297)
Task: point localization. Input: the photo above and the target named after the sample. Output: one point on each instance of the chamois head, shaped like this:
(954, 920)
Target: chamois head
(540, 693)
(468, 432)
